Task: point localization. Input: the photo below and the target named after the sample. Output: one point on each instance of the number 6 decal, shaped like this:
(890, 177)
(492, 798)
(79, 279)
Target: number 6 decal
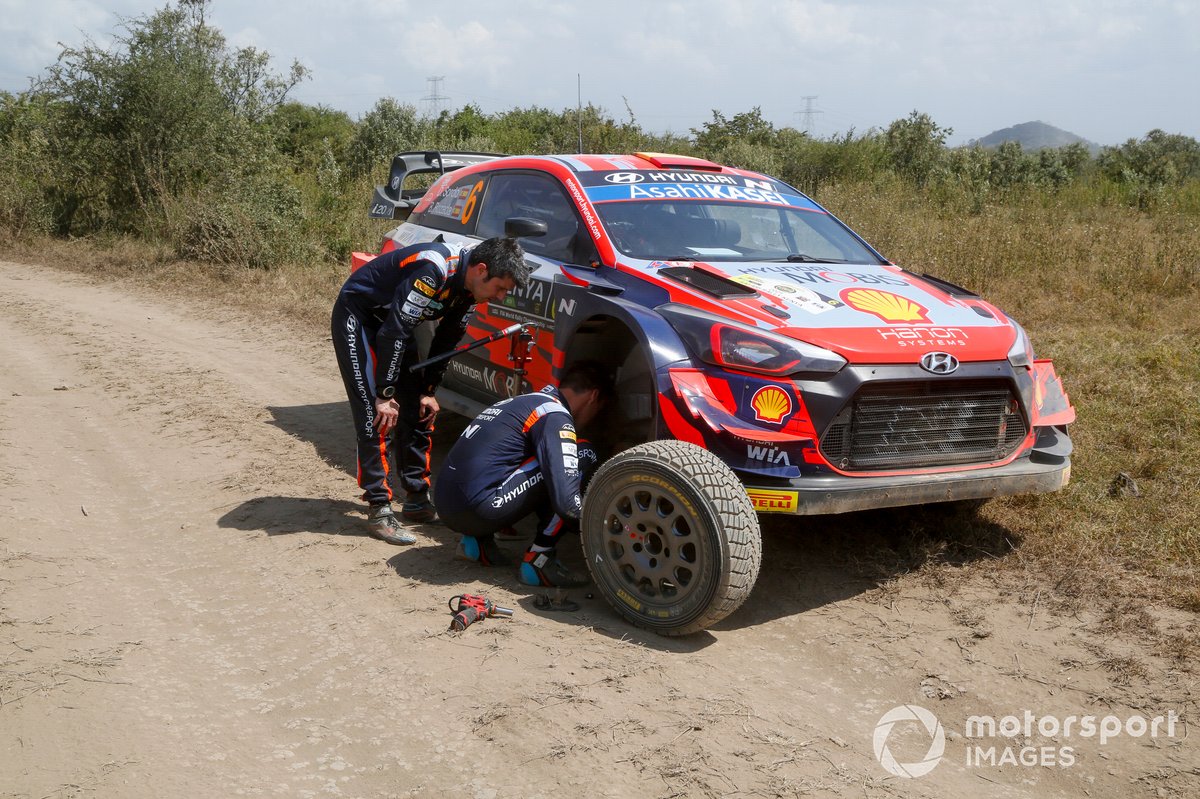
(472, 201)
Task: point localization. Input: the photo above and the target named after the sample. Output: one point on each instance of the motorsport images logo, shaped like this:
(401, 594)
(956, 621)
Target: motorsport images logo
(1008, 740)
(937, 742)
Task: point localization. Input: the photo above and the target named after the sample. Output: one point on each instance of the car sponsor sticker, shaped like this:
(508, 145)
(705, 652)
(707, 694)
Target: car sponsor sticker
(772, 456)
(821, 274)
(704, 191)
(766, 500)
(720, 192)
(771, 404)
(581, 201)
(535, 299)
(884, 304)
(796, 296)
(924, 336)
(482, 373)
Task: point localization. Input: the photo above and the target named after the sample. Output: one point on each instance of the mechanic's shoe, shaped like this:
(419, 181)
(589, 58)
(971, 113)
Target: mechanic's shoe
(544, 568)
(418, 509)
(384, 525)
(482, 550)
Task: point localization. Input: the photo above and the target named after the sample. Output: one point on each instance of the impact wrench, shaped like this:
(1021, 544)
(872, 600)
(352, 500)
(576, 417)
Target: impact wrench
(473, 607)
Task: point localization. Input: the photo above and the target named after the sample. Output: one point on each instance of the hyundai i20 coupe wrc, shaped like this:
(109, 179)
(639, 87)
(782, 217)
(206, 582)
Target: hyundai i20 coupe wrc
(766, 358)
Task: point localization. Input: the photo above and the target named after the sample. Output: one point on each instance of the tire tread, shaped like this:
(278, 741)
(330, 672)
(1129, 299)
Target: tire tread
(731, 504)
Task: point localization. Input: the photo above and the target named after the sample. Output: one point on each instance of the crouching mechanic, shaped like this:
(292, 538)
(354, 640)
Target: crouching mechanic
(522, 456)
(373, 321)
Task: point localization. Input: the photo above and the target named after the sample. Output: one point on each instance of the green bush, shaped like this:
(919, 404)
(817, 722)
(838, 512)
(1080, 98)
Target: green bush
(26, 176)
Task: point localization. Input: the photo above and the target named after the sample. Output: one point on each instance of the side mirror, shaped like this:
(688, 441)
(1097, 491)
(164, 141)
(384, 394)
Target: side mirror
(519, 226)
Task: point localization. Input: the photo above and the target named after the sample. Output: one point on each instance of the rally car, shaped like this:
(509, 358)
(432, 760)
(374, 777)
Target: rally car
(767, 359)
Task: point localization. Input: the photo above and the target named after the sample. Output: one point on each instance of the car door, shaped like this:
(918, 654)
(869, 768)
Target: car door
(535, 195)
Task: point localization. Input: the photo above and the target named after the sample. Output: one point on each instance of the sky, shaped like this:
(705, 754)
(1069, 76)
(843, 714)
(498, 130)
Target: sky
(1106, 70)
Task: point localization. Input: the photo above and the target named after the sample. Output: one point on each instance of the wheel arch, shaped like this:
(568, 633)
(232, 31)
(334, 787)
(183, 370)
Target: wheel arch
(634, 342)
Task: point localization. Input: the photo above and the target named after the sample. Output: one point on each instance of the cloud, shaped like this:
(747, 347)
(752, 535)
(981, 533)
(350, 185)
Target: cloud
(975, 67)
(36, 30)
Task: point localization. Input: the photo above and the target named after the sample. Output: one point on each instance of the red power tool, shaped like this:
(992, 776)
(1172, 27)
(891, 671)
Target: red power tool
(473, 607)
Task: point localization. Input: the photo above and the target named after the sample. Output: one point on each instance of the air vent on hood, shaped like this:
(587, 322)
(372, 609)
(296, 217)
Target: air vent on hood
(952, 289)
(672, 161)
(707, 282)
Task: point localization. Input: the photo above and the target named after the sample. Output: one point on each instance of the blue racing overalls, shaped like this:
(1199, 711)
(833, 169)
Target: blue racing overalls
(373, 320)
(519, 456)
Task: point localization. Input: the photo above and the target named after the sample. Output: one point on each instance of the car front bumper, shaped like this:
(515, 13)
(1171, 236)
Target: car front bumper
(1045, 468)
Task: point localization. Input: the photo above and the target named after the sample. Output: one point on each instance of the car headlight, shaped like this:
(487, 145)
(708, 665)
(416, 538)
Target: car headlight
(1021, 352)
(727, 344)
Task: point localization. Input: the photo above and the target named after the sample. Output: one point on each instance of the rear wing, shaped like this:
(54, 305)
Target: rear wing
(393, 201)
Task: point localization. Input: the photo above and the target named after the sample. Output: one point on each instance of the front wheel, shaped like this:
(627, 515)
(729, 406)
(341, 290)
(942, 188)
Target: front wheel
(670, 536)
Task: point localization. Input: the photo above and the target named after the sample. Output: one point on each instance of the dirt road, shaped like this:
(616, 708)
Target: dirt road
(189, 607)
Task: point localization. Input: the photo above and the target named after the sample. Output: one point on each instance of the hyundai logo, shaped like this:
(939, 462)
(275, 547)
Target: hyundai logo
(624, 177)
(939, 363)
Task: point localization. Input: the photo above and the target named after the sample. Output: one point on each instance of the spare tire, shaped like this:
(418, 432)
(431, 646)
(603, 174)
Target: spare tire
(670, 536)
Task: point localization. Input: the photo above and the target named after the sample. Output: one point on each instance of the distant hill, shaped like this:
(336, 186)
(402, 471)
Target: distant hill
(1033, 136)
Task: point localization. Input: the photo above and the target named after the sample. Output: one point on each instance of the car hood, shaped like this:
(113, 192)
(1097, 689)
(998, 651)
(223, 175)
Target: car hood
(865, 313)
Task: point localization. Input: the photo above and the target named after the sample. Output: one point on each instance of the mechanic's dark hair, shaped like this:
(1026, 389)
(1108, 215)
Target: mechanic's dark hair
(586, 375)
(504, 258)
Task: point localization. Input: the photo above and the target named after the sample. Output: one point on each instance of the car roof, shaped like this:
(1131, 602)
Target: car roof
(624, 162)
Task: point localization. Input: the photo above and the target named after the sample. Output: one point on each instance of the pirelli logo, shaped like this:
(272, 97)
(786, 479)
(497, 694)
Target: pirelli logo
(768, 501)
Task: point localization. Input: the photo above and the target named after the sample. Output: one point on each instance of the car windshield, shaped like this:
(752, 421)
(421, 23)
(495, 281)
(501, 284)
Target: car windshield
(728, 231)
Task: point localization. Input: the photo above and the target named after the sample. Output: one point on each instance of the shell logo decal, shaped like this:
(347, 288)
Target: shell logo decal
(771, 404)
(887, 306)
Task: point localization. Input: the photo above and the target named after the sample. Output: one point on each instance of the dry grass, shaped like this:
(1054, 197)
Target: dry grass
(1111, 295)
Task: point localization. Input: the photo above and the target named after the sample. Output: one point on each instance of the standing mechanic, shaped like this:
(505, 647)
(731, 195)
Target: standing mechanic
(373, 321)
(522, 456)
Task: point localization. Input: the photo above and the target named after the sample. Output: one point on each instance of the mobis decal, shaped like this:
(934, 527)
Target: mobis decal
(887, 306)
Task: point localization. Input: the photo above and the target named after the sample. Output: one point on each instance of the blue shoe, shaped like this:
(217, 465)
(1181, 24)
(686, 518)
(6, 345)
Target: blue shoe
(483, 551)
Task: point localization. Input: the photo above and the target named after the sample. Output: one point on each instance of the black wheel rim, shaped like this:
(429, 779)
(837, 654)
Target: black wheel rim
(655, 546)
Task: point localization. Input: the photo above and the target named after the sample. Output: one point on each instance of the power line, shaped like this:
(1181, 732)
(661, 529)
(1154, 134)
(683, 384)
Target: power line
(808, 115)
(435, 98)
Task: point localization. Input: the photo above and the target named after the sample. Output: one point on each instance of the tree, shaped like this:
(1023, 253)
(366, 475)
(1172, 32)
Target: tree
(748, 127)
(388, 128)
(305, 133)
(1011, 167)
(1159, 159)
(466, 124)
(916, 146)
(166, 112)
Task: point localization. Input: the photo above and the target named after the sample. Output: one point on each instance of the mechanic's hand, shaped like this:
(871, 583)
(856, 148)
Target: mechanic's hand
(429, 408)
(386, 414)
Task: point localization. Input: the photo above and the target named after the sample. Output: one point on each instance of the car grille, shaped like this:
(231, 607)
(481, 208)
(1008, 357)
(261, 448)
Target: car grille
(918, 425)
